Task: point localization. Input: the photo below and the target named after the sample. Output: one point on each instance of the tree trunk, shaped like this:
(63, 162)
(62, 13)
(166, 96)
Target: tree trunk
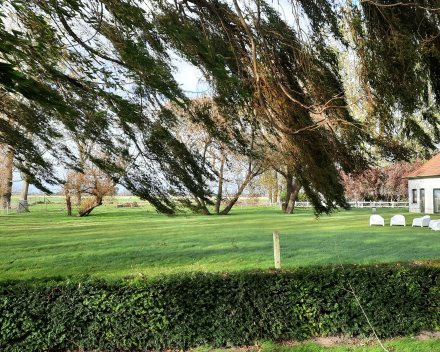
(275, 188)
(220, 183)
(6, 165)
(24, 190)
(289, 191)
(292, 190)
(96, 203)
(205, 211)
(234, 200)
(202, 205)
(293, 197)
(69, 205)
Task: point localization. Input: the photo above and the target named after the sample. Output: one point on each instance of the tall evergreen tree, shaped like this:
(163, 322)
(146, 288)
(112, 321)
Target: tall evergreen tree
(107, 61)
(109, 87)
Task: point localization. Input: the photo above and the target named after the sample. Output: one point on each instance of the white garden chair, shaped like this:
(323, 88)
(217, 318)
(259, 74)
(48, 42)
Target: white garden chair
(377, 220)
(436, 226)
(423, 221)
(432, 223)
(398, 220)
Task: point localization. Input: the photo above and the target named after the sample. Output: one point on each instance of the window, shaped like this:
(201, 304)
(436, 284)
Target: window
(414, 196)
(437, 201)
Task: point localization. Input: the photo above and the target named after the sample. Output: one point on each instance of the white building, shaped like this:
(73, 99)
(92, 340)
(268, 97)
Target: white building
(424, 187)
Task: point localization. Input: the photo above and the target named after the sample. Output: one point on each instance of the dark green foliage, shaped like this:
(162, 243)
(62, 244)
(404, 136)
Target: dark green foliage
(217, 309)
(399, 51)
(51, 90)
(101, 72)
(289, 83)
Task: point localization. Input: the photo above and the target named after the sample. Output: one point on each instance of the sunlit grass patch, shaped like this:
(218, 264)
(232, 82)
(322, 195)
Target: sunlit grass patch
(132, 241)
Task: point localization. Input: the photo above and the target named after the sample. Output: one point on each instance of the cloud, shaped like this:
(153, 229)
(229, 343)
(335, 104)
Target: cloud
(188, 76)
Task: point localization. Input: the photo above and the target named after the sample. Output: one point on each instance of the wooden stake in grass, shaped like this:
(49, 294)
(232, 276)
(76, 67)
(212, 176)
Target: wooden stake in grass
(276, 249)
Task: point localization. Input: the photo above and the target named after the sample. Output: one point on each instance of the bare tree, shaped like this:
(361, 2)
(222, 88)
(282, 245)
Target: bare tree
(94, 183)
(268, 181)
(233, 170)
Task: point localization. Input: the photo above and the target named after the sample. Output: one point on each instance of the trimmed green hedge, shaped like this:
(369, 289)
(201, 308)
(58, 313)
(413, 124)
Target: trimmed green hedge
(217, 309)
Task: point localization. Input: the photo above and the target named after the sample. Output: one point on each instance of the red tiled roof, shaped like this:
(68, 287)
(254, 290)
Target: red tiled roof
(430, 168)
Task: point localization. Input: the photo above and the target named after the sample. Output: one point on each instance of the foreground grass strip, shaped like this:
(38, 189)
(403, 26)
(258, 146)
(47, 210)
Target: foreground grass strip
(397, 345)
(137, 241)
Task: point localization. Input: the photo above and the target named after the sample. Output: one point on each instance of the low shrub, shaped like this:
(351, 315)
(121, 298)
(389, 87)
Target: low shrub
(216, 309)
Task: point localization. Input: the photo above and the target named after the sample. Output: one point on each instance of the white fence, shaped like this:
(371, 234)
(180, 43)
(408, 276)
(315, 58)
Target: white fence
(363, 204)
(43, 203)
(379, 204)
(357, 204)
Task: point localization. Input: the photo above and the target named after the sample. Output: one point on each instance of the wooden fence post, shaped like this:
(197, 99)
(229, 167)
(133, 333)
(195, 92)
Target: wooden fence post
(276, 249)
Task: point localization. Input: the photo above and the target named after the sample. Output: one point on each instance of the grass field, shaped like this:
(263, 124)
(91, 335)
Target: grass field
(396, 345)
(60, 200)
(129, 241)
(51, 200)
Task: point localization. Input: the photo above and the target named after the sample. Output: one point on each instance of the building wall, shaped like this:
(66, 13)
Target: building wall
(429, 184)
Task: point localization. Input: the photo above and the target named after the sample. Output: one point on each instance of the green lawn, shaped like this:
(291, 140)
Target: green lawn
(113, 243)
(396, 345)
(32, 199)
